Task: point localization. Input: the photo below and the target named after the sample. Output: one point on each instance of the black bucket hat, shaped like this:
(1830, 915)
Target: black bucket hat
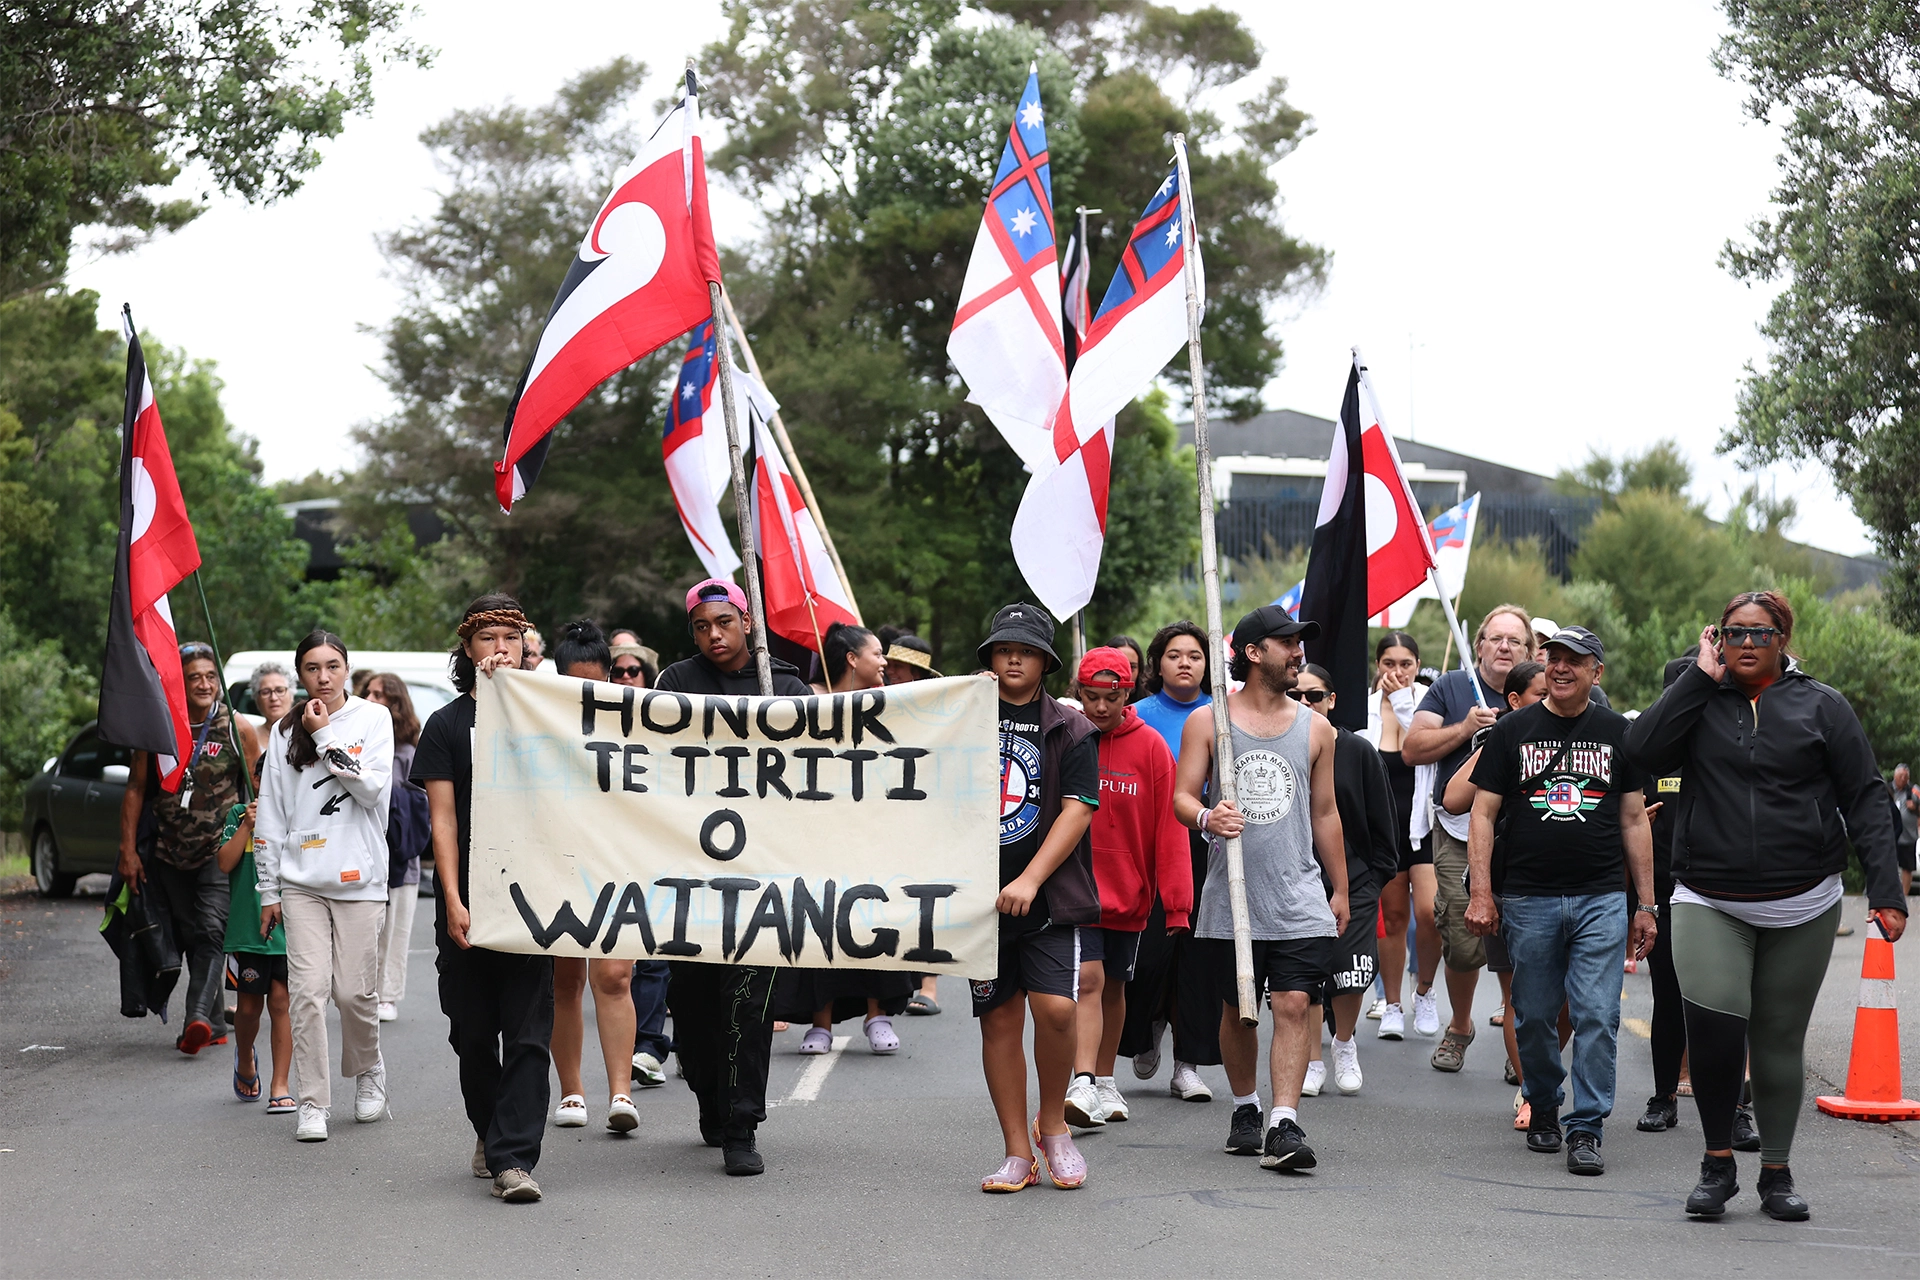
(1021, 623)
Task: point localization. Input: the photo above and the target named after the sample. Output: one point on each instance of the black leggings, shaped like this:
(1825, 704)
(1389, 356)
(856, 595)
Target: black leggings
(1669, 1015)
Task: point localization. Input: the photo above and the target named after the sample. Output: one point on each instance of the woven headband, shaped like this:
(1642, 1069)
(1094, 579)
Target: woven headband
(494, 618)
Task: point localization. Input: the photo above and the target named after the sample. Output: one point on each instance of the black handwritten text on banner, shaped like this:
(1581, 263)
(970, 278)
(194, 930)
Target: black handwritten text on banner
(852, 830)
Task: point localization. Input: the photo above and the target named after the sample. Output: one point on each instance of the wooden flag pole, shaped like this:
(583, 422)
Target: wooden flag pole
(1210, 582)
(220, 666)
(793, 457)
(742, 509)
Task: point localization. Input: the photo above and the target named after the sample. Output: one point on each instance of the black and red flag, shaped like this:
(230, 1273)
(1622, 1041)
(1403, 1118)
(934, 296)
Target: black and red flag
(143, 698)
(638, 281)
(1335, 592)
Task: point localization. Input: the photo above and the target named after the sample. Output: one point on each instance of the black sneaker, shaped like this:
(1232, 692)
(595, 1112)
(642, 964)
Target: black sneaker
(1719, 1183)
(1746, 1135)
(742, 1160)
(1543, 1131)
(1243, 1134)
(1583, 1154)
(1778, 1197)
(1287, 1149)
(1662, 1114)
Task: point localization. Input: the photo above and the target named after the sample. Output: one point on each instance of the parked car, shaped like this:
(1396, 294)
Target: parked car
(428, 679)
(72, 817)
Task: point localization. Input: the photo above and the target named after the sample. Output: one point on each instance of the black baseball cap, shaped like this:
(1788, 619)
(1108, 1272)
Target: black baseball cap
(1271, 620)
(1580, 640)
(1021, 623)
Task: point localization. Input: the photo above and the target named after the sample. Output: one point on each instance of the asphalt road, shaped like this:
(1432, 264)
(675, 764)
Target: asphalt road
(120, 1157)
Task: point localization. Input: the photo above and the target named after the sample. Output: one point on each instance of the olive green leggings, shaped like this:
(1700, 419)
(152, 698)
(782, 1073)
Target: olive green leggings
(1749, 994)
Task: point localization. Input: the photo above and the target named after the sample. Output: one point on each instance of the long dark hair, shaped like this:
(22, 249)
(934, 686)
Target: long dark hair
(1519, 676)
(1157, 650)
(581, 641)
(301, 751)
(841, 642)
(458, 663)
(1775, 606)
(399, 703)
(1396, 640)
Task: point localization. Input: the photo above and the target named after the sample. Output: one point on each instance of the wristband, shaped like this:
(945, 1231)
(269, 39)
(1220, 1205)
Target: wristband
(1201, 825)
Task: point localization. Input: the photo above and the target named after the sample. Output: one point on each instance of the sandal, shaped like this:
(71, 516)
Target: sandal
(1452, 1053)
(880, 1035)
(922, 1005)
(818, 1040)
(1498, 1018)
(245, 1088)
(1014, 1174)
(282, 1105)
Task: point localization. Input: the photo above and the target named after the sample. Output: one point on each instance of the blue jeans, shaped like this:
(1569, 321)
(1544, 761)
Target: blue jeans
(1567, 949)
(650, 1009)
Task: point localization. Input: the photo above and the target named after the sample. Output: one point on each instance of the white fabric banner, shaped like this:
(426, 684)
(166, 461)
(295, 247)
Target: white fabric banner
(845, 831)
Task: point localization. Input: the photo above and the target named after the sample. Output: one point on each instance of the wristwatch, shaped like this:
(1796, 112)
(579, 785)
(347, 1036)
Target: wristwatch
(1650, 910)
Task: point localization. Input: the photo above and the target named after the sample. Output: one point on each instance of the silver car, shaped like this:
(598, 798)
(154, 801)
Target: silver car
(72, 818)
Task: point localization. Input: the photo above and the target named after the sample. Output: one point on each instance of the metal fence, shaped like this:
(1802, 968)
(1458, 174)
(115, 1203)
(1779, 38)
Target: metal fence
(1273, 527)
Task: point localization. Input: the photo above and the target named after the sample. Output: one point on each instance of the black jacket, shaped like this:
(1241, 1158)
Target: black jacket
(1770, 798)
(698, 675)
(1073, 897)
(1367, 813)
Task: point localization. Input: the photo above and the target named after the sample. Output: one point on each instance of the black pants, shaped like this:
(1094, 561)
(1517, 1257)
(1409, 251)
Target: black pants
(1669, 1011)
(1172, 982)
(499, 1011)
(723, 1032)
(196, 903)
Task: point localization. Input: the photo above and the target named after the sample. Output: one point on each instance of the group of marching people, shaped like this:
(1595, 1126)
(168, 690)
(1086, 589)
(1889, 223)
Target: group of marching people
(1503, 810)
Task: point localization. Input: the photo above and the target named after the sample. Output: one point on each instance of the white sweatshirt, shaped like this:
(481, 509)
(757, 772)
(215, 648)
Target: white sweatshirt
(324, 828)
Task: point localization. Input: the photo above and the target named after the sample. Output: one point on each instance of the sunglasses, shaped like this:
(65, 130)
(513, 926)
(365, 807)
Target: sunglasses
(1762, 637)
(1313, 697)
(628, 673)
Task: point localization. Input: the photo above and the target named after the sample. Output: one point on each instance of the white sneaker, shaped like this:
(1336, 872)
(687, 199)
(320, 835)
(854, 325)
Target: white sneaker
(1393, 1023)
(1376, 1009)
(647, 1071)
(1083, 1104)
(1346, 1067)
(1316, 1079)
(370, 1093)
(571, 1113)
(1147, 1065)
(312, 1123)
(1426, 1014)
(389, 1011)
(1187, 1084)
(1113, 1106)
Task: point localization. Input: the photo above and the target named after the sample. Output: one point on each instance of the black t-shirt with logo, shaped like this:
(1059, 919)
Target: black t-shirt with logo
(445, 754)
(1022, 757)
(1562, 812)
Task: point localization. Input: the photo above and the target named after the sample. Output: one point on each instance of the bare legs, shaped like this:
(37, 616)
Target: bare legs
(1295, 1036)
(612, 1014)
(246, 1029)
(1409, 895)
(1003, 1057)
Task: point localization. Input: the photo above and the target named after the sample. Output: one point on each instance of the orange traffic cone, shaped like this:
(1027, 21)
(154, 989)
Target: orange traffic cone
(1873, 1072)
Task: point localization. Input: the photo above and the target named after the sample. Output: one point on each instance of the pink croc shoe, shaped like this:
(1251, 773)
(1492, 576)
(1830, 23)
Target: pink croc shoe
(1060, 1158)
(881, 1037)
(1014, 1174)
(818, 1040)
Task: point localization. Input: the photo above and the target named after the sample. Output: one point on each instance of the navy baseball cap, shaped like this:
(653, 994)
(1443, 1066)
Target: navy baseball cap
(1580, 640)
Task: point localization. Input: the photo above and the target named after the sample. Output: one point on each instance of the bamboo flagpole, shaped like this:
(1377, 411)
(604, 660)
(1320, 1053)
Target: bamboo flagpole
(220, 666)
(793, 457)
(742, 509)
(1210, 582)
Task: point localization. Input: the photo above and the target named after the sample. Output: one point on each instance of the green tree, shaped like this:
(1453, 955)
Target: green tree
(47, 694)
(1841, 388)
(104, 102)
(1857, 650)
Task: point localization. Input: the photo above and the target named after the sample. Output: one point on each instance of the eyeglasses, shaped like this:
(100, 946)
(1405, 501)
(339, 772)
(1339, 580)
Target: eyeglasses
(271, 691)
(1312, 697)
(628, 673)
(1762, 637)
(1505, 642)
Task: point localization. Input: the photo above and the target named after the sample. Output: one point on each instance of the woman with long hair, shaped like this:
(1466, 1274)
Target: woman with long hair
(1777, 779)
(406, 841)
(1396, 663)
(852, 659)
(321, 853)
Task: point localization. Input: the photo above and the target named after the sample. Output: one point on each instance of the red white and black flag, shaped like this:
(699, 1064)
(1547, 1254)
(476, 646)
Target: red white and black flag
(143, 699)
(638, 281)
(1335, 595)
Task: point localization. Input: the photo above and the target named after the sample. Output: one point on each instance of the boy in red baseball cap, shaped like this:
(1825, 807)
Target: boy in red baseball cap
(1139, 849)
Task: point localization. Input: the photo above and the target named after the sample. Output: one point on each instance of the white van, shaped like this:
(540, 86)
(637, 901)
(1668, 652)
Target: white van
(428, 678)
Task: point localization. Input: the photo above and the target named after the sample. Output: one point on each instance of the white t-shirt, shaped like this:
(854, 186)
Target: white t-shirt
(1776, 913)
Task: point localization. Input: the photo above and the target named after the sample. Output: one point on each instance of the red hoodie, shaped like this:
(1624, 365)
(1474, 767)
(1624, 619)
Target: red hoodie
(1138, 845)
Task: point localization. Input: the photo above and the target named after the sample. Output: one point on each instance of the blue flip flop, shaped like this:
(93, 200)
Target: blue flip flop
(242, 1083)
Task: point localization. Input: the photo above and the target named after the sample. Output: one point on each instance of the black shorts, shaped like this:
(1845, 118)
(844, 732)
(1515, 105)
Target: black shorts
(1411, 857)
(1116, 949)
(1356, 952)
(1042, 962)
(1498, 961)
(1905, 851)
(253, 974)
(1297, 964)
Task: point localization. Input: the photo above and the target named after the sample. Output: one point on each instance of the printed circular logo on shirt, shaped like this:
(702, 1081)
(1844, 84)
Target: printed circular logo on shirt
(1563, 797)
(1019, 787)
(1266, 784)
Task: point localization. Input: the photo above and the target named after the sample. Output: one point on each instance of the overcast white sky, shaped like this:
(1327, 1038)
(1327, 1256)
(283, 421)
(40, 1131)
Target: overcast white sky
(1524, 202)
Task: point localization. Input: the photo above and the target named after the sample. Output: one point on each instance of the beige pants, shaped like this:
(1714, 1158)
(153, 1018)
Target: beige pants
(333, 948)
(395, 936)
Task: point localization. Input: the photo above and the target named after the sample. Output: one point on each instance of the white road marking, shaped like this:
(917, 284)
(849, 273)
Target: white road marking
(49, 1048)
(814, 1078)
